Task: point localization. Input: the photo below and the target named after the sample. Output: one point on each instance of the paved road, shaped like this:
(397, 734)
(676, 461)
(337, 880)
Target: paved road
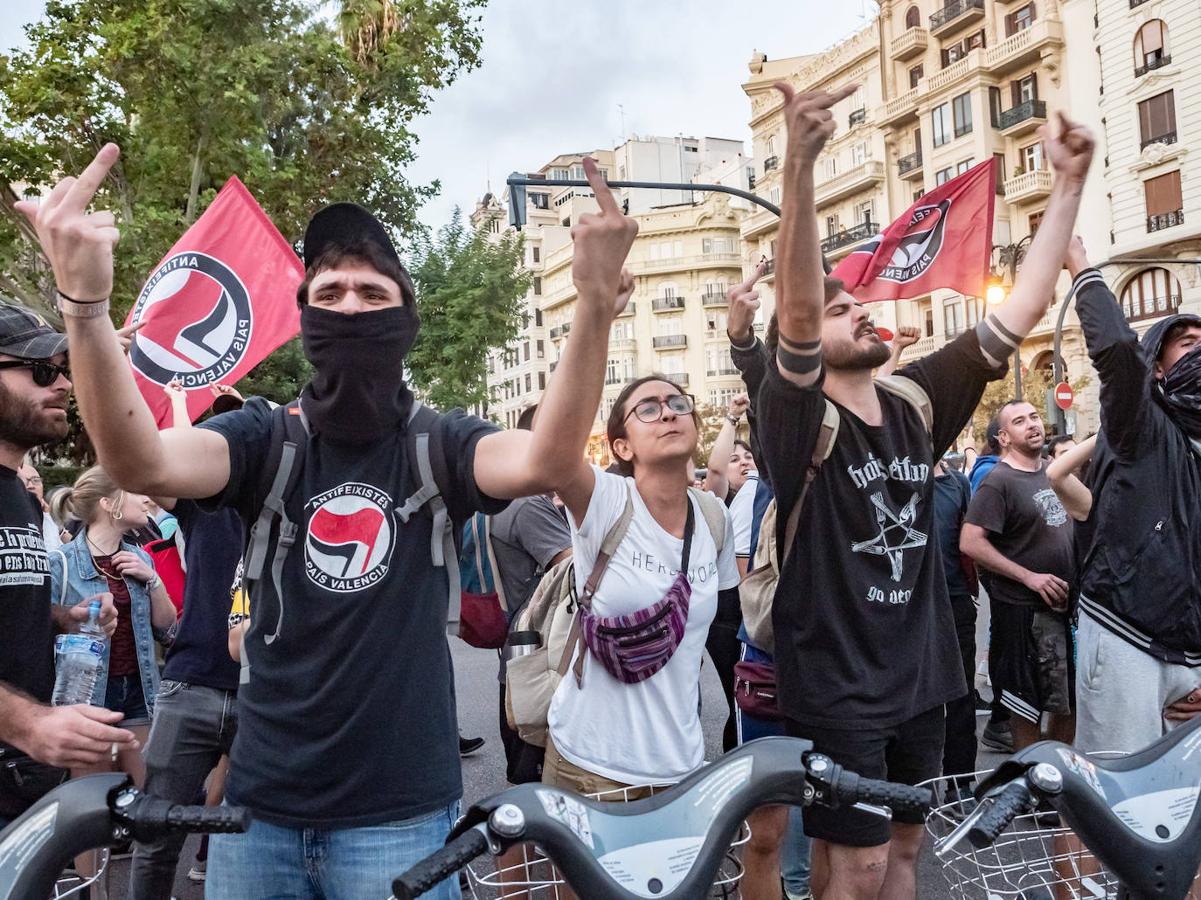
(483, 773)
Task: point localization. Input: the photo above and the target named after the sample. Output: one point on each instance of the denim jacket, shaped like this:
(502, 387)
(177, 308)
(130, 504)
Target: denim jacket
(82, 581)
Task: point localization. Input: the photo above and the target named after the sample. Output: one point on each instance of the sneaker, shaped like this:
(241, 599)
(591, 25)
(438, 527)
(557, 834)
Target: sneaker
(998, 737)
(198, 871)
(983, 707)
(467, 746)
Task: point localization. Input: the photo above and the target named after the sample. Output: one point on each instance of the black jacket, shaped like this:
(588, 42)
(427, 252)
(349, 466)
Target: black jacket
(1141, 578)
(752, 363)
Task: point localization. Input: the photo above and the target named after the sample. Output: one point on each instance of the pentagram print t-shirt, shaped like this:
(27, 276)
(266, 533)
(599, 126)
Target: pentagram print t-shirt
(863, 628)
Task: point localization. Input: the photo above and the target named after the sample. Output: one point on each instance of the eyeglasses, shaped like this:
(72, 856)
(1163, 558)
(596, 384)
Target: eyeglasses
(44, 373)
(651, 409)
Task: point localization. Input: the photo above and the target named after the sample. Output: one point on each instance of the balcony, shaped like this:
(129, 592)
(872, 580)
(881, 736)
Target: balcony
(623, 343)
(900, 108)
(1168, 137)
(722, 372)
(769, 267)
(680, 378)
(1022, 118)
(849, 236)
(556, 332)
(731, 260)
(670, 341)
(1151, 65)
(628, 311)
(909, 167)
(1165, 220)
(554, 366)
(772, 162)
(1028, 186)
(711, 299)
(662, 304)
(857, 117)
(955, 14)
(858, 178)
(1023, 48)
(909, 43)
(1136, 3)
(922, 348)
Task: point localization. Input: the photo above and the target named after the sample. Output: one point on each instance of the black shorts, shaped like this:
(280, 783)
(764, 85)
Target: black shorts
(1032, 663)
(907, 753)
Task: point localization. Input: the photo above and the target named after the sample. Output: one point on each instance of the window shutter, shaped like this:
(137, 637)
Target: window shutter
(1169, 111)
(1151, 36)
(1010, 26)
(1034, 84)
(1015, 93)
(1163, 194)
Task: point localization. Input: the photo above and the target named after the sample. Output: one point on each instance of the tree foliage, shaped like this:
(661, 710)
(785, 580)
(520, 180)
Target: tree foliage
(471, 289)
(304, 110)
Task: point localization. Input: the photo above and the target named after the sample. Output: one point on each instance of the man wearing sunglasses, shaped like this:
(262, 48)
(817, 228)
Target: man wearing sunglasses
(36, 740)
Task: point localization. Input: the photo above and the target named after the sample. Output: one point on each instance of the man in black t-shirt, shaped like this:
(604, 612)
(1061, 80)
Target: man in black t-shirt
(1017, 528)
(866, 653)
(36, 740)
(347, 740)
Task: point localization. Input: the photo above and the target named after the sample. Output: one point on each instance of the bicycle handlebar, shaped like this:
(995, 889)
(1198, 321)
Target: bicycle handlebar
(150, 818)
(440, 865)
(1006, 806)
(850, 788)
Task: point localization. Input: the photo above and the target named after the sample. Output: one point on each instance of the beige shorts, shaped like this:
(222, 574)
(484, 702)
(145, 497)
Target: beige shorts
(559, 772)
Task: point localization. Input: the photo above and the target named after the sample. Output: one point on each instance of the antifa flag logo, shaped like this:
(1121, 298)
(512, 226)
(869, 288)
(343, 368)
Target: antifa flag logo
(919, 246)
(198, 321)
(349, 542)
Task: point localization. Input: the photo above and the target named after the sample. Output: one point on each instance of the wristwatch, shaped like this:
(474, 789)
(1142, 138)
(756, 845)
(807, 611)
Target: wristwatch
(733, 420)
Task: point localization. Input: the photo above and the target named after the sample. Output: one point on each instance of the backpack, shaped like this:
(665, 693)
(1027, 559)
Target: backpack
(758, 589)
(426, 463)
(168, 558)
(546, 634)
(484, 621)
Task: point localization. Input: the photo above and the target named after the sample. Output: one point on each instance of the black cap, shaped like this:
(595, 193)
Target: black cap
(348, 224)
(25, 335)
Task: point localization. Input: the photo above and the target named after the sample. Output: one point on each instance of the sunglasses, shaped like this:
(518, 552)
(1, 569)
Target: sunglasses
(651, 409)
(44, 373)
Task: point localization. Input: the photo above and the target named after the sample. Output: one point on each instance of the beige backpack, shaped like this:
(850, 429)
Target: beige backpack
(758, 590)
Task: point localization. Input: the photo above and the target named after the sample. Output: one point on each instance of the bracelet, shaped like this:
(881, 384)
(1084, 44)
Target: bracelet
(82, 309)
(157, 582)
(733, 421)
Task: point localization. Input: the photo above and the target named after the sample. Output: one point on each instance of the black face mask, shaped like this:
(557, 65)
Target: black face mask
(1181, 389)
(358, 393)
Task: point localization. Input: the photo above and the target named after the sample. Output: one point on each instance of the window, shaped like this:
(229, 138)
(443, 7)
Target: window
(560, 173)
(541, 347)
(1034, 220)
(577, 171)
(913, 18)
(529, 386)
(940, 120)
(829, 167)
(525, 352)
(542, 381)
(1157, 119)
(537, 252)
(1164, 203)
(963, 165)
(929, 322)
(537, 285)
(1150, 47)
(1032, 158)
(831, 226)
(716, 322)
(538, 317)
(718, 361)
(859, 153)
(1024, 89)
(771, 145)
(1152, 293)
(918, 194)
(1019, 20)
(865, 211)
(960, 49)
(999, 172)
(540, 201)
(952, 317)
(612, 372)
(994, 106)
(774, 196)
(962, 107)
(718, 245)
(915, 74)
(493, 225)
(668, 290)
(670, 325)
(942, 176)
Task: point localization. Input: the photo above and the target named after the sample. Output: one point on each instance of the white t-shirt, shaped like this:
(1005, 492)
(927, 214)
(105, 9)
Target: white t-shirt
(742, 515)
(650, 731)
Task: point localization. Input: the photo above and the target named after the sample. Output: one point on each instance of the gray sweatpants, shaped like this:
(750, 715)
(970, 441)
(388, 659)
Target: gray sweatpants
(1121, 691)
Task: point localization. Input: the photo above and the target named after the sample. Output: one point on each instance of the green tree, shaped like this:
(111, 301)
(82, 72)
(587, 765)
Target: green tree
(304, 110)
(471, 288)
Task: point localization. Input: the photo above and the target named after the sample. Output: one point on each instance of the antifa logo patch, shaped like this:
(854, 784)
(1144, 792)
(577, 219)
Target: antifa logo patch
(348, 544)
(201, 324)
(919, 246)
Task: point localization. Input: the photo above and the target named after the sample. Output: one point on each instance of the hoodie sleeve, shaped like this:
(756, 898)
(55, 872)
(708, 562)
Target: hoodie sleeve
(1119, 360)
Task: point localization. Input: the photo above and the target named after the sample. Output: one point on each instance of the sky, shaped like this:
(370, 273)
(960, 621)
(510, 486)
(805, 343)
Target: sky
(556, 76)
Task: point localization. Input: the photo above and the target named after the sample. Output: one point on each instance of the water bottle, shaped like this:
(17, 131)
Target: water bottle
(77, 660)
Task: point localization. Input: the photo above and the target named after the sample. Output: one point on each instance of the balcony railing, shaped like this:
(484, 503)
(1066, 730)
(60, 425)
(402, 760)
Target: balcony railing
(724, 370)
(857, 117)
(556, 331)
(1028, 186)
(1165, 220)
(769, 266)
(910, 163)
(629, 310)
(954, 10)
(1031, 109)
(713, 298)
(1168, 137)
(1134, 3)
(670, 340)
(770, 163)
(1151, 65)
(909, 42)
(659, 304)
(680, 378)
(860, 232)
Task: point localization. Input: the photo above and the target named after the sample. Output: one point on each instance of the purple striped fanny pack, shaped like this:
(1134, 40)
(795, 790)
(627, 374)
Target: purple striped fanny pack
(633, 648)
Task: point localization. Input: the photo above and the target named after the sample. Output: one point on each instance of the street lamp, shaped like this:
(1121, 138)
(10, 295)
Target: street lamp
(1004, 271)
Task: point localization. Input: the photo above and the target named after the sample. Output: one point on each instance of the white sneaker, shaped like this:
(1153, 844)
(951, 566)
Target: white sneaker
(196, 873)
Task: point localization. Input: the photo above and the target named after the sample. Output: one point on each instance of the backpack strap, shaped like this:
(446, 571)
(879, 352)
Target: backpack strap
(493, 568)
(912, 393)
(714, 512)
(826, 435)
(575, 637)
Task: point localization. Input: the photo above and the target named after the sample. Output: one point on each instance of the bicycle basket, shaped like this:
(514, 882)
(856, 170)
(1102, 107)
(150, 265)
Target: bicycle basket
(72, 884)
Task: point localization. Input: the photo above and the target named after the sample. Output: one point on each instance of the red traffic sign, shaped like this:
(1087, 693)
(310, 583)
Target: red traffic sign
(1064, 395)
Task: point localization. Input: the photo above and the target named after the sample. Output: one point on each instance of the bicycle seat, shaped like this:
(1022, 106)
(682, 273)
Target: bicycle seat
(666, 846)
(1138, 813)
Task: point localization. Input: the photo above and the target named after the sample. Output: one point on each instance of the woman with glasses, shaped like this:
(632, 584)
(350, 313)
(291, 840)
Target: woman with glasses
(626, 712)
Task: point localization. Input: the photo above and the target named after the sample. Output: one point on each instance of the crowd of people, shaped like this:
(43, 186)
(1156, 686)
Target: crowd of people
(830, 566)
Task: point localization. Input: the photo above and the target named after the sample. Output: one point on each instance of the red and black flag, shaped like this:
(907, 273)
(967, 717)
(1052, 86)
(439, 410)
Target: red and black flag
(943, 241)
(221, 300)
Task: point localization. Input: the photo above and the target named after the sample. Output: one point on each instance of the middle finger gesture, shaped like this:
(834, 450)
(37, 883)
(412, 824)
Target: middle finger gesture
(602, 242)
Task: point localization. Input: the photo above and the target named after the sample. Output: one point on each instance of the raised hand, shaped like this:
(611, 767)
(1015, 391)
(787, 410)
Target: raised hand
(906, 336)
(738, 405)
(602, 242)
(809, 120)
(225, 390)
(1076, 260)
(174, 388)
(78, 244)
(743, 302)
(125, 335)
(130, 565)
(1071, 150)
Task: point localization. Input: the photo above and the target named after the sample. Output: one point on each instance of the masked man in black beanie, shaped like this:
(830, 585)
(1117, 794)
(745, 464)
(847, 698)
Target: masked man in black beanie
(1139, 640)
(347, 748)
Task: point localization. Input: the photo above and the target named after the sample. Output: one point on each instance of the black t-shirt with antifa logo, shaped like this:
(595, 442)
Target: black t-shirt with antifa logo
(1027, 524)
(26, 629)
(864, 634)
(348, 718)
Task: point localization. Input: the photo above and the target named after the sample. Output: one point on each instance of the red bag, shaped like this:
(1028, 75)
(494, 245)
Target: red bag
(483, 621)
(168, 565)
(755, 690)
